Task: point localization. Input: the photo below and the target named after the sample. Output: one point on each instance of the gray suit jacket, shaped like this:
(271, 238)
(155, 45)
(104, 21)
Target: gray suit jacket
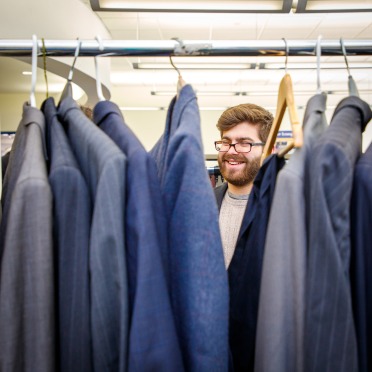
(27, 336)
(330, 343)
(279, 337)
(71, 230)
(103, 166)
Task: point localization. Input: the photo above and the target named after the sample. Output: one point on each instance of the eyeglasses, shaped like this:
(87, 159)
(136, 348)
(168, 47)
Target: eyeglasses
(223, 146)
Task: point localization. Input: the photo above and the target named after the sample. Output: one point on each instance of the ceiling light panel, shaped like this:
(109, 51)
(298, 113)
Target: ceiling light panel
(191, 6)
(333, 6)
(194, 66)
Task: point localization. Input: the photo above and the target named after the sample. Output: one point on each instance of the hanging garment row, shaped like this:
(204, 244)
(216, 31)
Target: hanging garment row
(111, 257)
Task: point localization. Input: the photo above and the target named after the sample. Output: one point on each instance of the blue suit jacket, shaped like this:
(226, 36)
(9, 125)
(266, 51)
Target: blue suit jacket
(330, 341)
(361, 257)
(199, 288)
(103, 166)
(246, 265)
(71, 221)
(153, 343)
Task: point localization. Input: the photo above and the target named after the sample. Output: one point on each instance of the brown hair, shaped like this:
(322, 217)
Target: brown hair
(247, 112)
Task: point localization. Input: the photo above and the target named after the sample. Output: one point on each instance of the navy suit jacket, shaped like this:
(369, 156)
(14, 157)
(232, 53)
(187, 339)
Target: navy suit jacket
(246, 266)
(199, 288)
(103, 166)
(72, 214)
(153, 343)
(27, 313)
(361, 258)
(330, 341)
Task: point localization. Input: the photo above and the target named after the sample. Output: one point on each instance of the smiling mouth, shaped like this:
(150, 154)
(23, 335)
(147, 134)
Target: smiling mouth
(233, 162)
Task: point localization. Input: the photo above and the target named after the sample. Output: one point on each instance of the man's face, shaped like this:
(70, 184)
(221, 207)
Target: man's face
(240, 169)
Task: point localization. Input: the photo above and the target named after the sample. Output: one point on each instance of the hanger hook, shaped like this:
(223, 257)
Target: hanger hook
(318, 55)
(98, 78)
(77, 51)
(35, 52)
(286, 54)
(344, 53)
(174, 66)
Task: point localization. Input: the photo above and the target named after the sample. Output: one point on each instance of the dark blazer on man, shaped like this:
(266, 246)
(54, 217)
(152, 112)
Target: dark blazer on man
(219, 193)
(246, 265)
(361, 257)
(279, 337)
(199, 288)
(72, 214)
(153, 344)
(330, 342)
(27, 314)
(103, 165)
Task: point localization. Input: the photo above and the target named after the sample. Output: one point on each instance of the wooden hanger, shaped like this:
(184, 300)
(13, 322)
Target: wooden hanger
(285, 100)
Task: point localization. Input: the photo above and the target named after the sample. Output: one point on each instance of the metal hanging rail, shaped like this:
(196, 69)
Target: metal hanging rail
(142, 48)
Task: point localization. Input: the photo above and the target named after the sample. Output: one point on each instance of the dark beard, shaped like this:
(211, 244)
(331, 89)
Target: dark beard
(244, 177)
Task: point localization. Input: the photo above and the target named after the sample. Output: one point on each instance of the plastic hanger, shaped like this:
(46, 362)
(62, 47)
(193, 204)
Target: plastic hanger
(353, 90)
(35, 52)
(98, 76)
(67, 90)
(285, 100)
(318, 55)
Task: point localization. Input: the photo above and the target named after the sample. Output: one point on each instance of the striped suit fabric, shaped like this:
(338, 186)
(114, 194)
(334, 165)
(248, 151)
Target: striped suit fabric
(72, 213)
(330, 341)
(103, 165)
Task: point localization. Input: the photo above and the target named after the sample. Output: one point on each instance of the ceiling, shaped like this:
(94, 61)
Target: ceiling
(133, 88)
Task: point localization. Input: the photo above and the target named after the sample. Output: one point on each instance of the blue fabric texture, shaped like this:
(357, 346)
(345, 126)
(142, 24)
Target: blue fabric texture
(153, 343)
(199, 287)
(72, 213)
(103, 165)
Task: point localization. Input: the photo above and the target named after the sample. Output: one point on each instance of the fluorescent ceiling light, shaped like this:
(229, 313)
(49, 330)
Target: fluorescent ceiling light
(333, 6)
(257, 93)
(166, 108)
(26, 73)
(194, 66)
(249, 66)
(142, 108)
(193, 6)
(312, 66)
(211, 93)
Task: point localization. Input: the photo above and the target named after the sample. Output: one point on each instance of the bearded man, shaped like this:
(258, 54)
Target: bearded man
(244, 130)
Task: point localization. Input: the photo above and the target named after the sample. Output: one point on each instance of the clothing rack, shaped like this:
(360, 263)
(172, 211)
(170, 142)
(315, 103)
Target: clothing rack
(66, 48)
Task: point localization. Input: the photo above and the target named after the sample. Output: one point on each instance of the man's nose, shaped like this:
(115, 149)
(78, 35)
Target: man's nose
(232, 149)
